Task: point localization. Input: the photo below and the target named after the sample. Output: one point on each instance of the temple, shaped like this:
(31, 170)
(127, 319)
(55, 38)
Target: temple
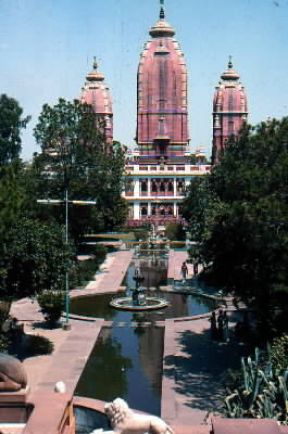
(160, 169)
(229, 110)
(96, 93)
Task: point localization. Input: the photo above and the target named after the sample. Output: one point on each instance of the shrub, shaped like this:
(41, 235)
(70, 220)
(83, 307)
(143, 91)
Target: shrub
(4, 336)
(175, 232)
(279, 353)
(52, 305)
(140, 234)
(262, 392)
(84, 271)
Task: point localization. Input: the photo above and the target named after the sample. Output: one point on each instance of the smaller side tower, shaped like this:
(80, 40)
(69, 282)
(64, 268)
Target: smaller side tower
(229, 110)
(97, 94)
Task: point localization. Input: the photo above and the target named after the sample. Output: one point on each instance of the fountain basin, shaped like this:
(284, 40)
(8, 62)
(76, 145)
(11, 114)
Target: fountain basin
(151, 303)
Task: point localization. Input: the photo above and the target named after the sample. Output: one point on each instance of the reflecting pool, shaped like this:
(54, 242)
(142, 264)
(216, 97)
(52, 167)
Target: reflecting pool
(127, 358)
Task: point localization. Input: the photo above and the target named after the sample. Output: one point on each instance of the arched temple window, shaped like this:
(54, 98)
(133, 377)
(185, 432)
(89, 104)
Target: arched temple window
(162, 185)
(170, 210)
(154, 186)
(170, 186)
(144, 185)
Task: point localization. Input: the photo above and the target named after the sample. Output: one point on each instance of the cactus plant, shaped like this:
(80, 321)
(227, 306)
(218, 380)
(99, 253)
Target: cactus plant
(264, 393)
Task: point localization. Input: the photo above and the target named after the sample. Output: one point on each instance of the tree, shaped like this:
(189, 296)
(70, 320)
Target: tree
(33, 258)
(240, 212)
(74, 157)
(12, 196)
(11, 124)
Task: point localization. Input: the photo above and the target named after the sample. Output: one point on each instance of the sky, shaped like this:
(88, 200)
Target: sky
(47, 48)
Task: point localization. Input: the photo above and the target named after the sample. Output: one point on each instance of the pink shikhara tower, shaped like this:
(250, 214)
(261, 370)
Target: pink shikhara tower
(230, 110)
(96, 93)
(162, 112)
(160, 170)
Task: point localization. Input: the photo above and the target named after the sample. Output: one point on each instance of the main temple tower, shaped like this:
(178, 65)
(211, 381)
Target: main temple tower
(230, 110)
(162, 109)
(160, 170)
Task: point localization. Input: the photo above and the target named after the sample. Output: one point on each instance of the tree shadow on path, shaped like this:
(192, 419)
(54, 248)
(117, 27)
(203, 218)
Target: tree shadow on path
(200, 367)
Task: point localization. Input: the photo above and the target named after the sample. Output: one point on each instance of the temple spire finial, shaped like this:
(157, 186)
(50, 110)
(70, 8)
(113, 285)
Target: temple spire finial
(230, 63)
(95, 64)
(162, 11)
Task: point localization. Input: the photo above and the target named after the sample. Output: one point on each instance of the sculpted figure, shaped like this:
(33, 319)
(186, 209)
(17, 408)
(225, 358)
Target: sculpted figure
(12, 374)
(125, 421)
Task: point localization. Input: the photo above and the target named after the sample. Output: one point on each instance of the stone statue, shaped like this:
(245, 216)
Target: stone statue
(125, 421)
(12, 374)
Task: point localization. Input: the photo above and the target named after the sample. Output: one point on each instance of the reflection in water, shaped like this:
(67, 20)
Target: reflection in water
(128, 364)
(153, 269)
(180, 305)
(105, 371)
(127, 359)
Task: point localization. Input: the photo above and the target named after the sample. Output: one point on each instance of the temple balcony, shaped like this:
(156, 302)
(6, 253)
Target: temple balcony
(162, 197)
(186, 169)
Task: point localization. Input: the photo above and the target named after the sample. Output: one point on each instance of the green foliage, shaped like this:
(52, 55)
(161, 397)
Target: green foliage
(263, 393)
(74, 156)
(84, 271)
(141, 233)
(175, 232)
(33, 257)
(52, 304)
(238, 217)
(11, 124)
(11, 196)
(36, 345)
(279, 353)
(4, 337)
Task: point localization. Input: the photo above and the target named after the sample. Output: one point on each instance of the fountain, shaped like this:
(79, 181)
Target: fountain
(138, 300)
(154, 245)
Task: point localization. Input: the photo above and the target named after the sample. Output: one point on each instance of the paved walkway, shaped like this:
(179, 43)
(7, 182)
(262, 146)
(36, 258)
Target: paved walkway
(192, 363)
(71, 351)
(112, 273)
(194, 368)
(175, 261)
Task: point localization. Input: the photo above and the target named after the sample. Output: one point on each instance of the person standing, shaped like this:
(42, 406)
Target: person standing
(225, 327)
(195, 269)
(220, 322)
(213, 327)
(184, 270)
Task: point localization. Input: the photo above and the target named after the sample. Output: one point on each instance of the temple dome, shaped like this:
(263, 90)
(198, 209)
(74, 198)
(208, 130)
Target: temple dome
(230, 110)
(230, 73)
(230, 95)
(97, 94)
(162, 28)
(95, 75)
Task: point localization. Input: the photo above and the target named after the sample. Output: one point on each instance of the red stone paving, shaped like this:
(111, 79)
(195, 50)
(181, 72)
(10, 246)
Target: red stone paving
(192, 363)
(175, 261)
(192, 369)
(111, 277)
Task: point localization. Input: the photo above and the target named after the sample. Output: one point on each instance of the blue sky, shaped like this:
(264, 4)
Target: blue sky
(47, 47)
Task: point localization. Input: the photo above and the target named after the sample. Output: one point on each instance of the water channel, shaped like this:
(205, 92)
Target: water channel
(127, 358)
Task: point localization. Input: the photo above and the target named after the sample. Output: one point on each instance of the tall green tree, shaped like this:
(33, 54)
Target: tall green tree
(74, 156)
(33, 257)
(239, 217)
(11, 124)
